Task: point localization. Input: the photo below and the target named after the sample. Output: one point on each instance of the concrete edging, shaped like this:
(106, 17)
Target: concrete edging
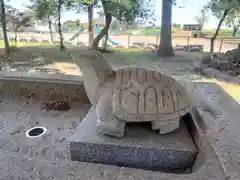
(41, 77)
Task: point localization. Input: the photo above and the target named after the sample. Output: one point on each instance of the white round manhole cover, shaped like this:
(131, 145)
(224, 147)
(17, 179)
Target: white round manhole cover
(36, 132)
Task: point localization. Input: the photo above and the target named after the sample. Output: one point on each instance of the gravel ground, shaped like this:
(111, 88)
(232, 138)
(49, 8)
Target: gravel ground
(18, 116)
(47, 158)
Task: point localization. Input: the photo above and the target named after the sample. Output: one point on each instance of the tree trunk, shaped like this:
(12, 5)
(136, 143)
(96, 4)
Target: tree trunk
(235, 30)
(60, 26)
(165, 47)
(105, 42)
(104, 31)
(50, 29)
(15, 36)
(4, 27)
(90, 25)
(217, 30)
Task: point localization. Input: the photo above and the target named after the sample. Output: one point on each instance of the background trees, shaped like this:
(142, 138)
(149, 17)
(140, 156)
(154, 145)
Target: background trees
(127, 11)
(165, 46)
(86, 6)
(45, 11)
(221, 9)
(4, 26)
(233, 20)
(203, 17)
(18, 21)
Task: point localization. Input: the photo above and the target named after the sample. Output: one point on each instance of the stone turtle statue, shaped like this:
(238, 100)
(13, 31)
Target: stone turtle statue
(132, 95)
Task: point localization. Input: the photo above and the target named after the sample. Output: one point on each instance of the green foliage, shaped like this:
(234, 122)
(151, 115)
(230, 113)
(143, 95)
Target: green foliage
(131, 11)
(233, 19)
(44, 10)
(18, 20)
(73, 25)
(82, 5)
(222, 32)
(176, 26)
(221, 9)
(202, 18)
(48, 9)
(218, 7)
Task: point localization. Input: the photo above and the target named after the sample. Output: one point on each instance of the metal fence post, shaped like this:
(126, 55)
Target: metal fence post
(188, 39)
(157, 37)
(128, 41)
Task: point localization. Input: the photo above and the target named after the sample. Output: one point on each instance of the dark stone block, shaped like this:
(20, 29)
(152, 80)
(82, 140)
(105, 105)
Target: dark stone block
(139, 148)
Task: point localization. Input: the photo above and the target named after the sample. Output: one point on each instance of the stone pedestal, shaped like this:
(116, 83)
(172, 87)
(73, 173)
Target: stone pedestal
(139, 148)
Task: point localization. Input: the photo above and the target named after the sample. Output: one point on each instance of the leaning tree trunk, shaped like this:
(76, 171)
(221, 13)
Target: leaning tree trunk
(217, 30)
(105, 42)
(104, 31)
(90, 25)
(235, 29)
(165, 47)
(4, 27)
(15, 36)
(60, 26)
(50, 29)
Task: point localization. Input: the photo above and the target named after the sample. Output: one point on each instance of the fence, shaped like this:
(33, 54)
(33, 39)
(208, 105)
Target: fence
(222, 44)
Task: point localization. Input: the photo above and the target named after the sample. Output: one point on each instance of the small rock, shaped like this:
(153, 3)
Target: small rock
(58, 155)
(206, 59)
(59, 128)
(16, 131)
(60, 140)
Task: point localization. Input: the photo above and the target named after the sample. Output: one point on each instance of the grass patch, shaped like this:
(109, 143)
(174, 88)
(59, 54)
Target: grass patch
(222, 32)
(122, 56)
(131, 57)
(231, 89)
(192, 55)
(23, 44)
(155, 31)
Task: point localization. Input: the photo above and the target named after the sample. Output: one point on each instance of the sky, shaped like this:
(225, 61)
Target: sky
(184, 15)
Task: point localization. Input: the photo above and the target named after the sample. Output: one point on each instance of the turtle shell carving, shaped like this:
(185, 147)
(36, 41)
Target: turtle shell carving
(146, 95)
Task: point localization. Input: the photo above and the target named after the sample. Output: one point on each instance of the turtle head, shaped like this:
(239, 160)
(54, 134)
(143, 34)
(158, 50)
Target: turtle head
(95, 71)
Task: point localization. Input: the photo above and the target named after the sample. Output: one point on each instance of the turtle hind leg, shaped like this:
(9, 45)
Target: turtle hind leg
(111, 125)
(166, 126)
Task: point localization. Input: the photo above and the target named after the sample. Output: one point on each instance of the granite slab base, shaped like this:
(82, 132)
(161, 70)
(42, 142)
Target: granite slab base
(139, 148)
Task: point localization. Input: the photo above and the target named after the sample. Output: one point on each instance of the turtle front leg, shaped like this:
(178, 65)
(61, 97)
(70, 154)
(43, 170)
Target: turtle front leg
(166, 126)
(107, 122)
(111, 125)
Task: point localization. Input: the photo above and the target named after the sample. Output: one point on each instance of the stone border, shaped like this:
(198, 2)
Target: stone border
(41, 77)
(220, 114)
(211, 72)
(43, 86)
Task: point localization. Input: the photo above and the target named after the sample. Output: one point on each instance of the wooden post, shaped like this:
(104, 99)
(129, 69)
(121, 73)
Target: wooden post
(157, 37)
(220, 48)
(188, 39)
